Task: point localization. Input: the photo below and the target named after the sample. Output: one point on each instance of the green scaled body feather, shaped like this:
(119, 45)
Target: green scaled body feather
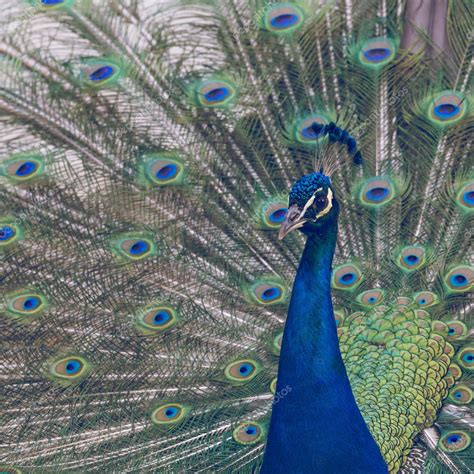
(146, 154)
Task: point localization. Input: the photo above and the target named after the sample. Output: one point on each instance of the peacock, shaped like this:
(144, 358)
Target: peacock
(236, 236)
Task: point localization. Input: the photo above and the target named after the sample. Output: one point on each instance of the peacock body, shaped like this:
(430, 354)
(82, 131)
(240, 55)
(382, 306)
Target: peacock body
(152, 154)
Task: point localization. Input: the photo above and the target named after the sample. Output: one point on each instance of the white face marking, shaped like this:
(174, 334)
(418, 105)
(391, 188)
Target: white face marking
(328, 207)
(311, 200)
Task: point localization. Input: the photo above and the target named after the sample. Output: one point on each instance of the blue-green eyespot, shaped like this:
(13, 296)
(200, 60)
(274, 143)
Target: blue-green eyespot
(266, 291)
(346, 277)
(459, 279)
(69, 369)
(454, 441)
(164, 170)
(283, 18)
(25, 304)
(377, 52)
(376, 192)
(447, 107)
(156, 318)
(97, 73)
(170, 414)
(215, 92)
(133, 247)
(23, 168)
(249, 432)
(10, 232)
(371, 297)
(242, 371)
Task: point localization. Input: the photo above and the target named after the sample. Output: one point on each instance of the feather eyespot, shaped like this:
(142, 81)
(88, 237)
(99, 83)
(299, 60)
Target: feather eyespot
(456, 330)
(346, 277)
(465, 358)
(215, 93)
(99, 72)
(377, 52)
(411, 258)
(465, 197)
(377, 192)
(69, 369)
(23, 168)
(371, 297)
(26, 304)
(166, 172)
(134, 248)
(447, 107)
(277, 216)
(308, 130)
(9, 233)
(242, 370)
(157, 319)
(169, 414)
(272, 213)
(163, 170)
(267, 292)
(425, 299)
(461, 395)
(459, 279)
(284, 18)
(248, 433)
(454, 441)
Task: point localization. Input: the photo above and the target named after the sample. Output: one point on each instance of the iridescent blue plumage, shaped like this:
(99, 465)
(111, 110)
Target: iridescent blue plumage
(311, 364)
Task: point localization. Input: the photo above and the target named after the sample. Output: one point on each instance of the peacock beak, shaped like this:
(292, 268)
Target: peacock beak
(294, 220)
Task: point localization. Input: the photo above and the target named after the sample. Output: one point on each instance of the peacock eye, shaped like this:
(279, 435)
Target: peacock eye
(321, 202)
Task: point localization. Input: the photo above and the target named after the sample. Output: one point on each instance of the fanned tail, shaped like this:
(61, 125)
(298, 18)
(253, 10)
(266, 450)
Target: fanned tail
(146, 155)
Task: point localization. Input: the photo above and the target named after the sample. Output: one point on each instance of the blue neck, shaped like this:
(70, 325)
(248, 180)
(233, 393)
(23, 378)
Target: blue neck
(316, 426)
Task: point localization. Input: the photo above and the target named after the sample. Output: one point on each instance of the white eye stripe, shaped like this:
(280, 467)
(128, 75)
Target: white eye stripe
(310, 202)
(328, 207)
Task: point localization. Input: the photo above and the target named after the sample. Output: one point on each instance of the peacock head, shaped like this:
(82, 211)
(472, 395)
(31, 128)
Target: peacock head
(312, 206)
